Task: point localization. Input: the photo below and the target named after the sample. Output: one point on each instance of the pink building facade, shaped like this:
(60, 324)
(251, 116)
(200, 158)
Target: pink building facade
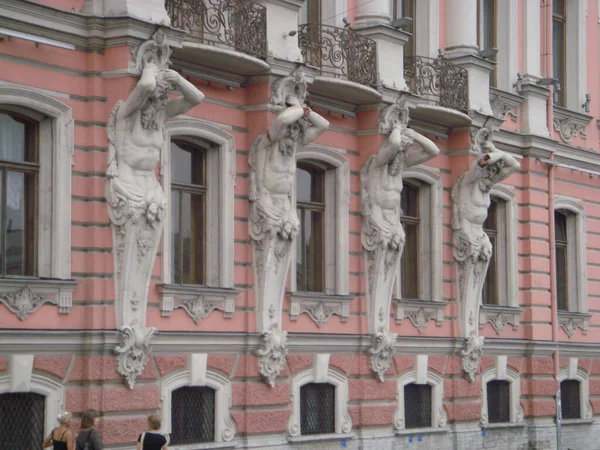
(66, 63)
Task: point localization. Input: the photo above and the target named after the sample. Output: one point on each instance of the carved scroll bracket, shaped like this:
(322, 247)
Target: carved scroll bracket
(134, 351)
(471, 355)
(272, 354)
(382, 350)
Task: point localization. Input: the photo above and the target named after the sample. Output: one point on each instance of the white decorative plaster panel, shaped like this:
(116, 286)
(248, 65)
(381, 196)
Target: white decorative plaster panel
(320, 307)
(197, 301)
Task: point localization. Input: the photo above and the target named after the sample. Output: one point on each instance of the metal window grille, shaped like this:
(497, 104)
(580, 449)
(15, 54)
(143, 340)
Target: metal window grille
(570, 399)
(317, 408)
(192, 415)
(22, 420)
(498, 399)
(417, 405)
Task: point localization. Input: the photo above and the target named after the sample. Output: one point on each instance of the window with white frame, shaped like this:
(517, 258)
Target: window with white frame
(36, 155)
(29, 404)
(420, 270)
(571, 261)
(575, 392)
(501, 402)
(319, 403)
(196, 410)
(320, 260)
(500, 286)
(419, 401)
(198, 172)
(406, 9)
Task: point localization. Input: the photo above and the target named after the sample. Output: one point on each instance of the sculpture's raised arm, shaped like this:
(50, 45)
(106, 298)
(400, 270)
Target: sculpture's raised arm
(427, 151)
(191, 96)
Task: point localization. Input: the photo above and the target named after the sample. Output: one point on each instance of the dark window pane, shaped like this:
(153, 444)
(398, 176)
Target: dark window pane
(409, 201)
(498, 397)
(559, 56)
(490, 286)
(188, 212)
(558, 7)
(570, 398)
(192, 415)
(562, 281)
(491, 222)
(317, 408)
(22, 420)
(417, 405)
(187, 163)
(560, 225)
(310, 246)
(19, 223)
(410, 262)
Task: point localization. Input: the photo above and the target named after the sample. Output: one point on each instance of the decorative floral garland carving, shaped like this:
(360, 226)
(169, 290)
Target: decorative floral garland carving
(24, 302)
(568, 129)
(382, 350)
(471, 355)
(134, 351)
(272, 354)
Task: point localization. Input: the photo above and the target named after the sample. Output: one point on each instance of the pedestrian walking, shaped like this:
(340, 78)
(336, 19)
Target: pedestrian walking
(61, 438)
(89, 438)
(152, 439)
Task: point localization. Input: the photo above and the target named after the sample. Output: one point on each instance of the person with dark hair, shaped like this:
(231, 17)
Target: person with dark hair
(89, 438)
(153, 439)
(61, 438)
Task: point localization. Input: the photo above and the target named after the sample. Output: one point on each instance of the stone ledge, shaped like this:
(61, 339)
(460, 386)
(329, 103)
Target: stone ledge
(321, 437)
(570, 321)
(320, 306)
(502, 426)
(420, 431)
(197, 301)
(567, 422)
(23, 296)
(420, 312)
(207, 445)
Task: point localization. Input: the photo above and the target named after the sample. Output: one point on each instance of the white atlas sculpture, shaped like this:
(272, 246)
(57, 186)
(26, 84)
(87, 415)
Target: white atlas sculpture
(472, 246)
(136, 205)
(382, 235)
(273, 221)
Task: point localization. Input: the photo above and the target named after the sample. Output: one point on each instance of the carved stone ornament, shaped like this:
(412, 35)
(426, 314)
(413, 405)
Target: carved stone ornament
(272, 354)
(568, 129)
(420, 319)
(320, 307)
(136, 204)
(273, 223)
(471, 355)
(393, 115)
(382, 350)
(24, 302)
(158, 45)
(505, 104)
(420, 312)
(134, 351)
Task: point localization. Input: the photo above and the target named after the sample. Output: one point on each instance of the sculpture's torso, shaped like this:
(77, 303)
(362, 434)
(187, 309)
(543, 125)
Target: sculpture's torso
(473, 210)
(278, 176)
(385, 191)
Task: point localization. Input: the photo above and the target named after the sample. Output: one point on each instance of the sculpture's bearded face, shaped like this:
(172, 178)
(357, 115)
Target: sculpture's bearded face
(490, 171)
(293, 134)
(156, 103)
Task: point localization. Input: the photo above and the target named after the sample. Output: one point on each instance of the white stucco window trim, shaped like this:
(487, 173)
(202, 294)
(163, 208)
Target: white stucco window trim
(430, 187)
(343, 421)
(56, 150)
(337, 198)
(224, 425)
(501, 372)
(507, 29)
(573, 372)
(220, 159)
(438, 413)
(52, 390)
(427, 28)
(576, 252)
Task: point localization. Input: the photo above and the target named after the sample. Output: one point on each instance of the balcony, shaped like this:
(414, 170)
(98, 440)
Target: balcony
(229, 35)
(443, 89)
(347, 62)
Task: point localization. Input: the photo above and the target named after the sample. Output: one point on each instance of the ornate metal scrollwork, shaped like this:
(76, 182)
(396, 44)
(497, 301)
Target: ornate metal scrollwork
(240, 24)
(445, 82)
(339, 52)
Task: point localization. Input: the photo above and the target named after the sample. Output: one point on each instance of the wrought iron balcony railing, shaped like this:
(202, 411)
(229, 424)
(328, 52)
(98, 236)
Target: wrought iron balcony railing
(238, 24)
(339, 52)
(438, 80)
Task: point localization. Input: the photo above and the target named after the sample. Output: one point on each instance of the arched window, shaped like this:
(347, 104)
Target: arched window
(319, 401)
(501, 394)
(196, 408)
(192, 415)
(570, 399)
(409, 204)
(188, 212)
(419, 401)
(310, 206)
(575, 392)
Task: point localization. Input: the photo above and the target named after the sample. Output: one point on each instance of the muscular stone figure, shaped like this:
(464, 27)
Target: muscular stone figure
(273, 162)
(136, 205)
(381, 179)
(472, 246)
